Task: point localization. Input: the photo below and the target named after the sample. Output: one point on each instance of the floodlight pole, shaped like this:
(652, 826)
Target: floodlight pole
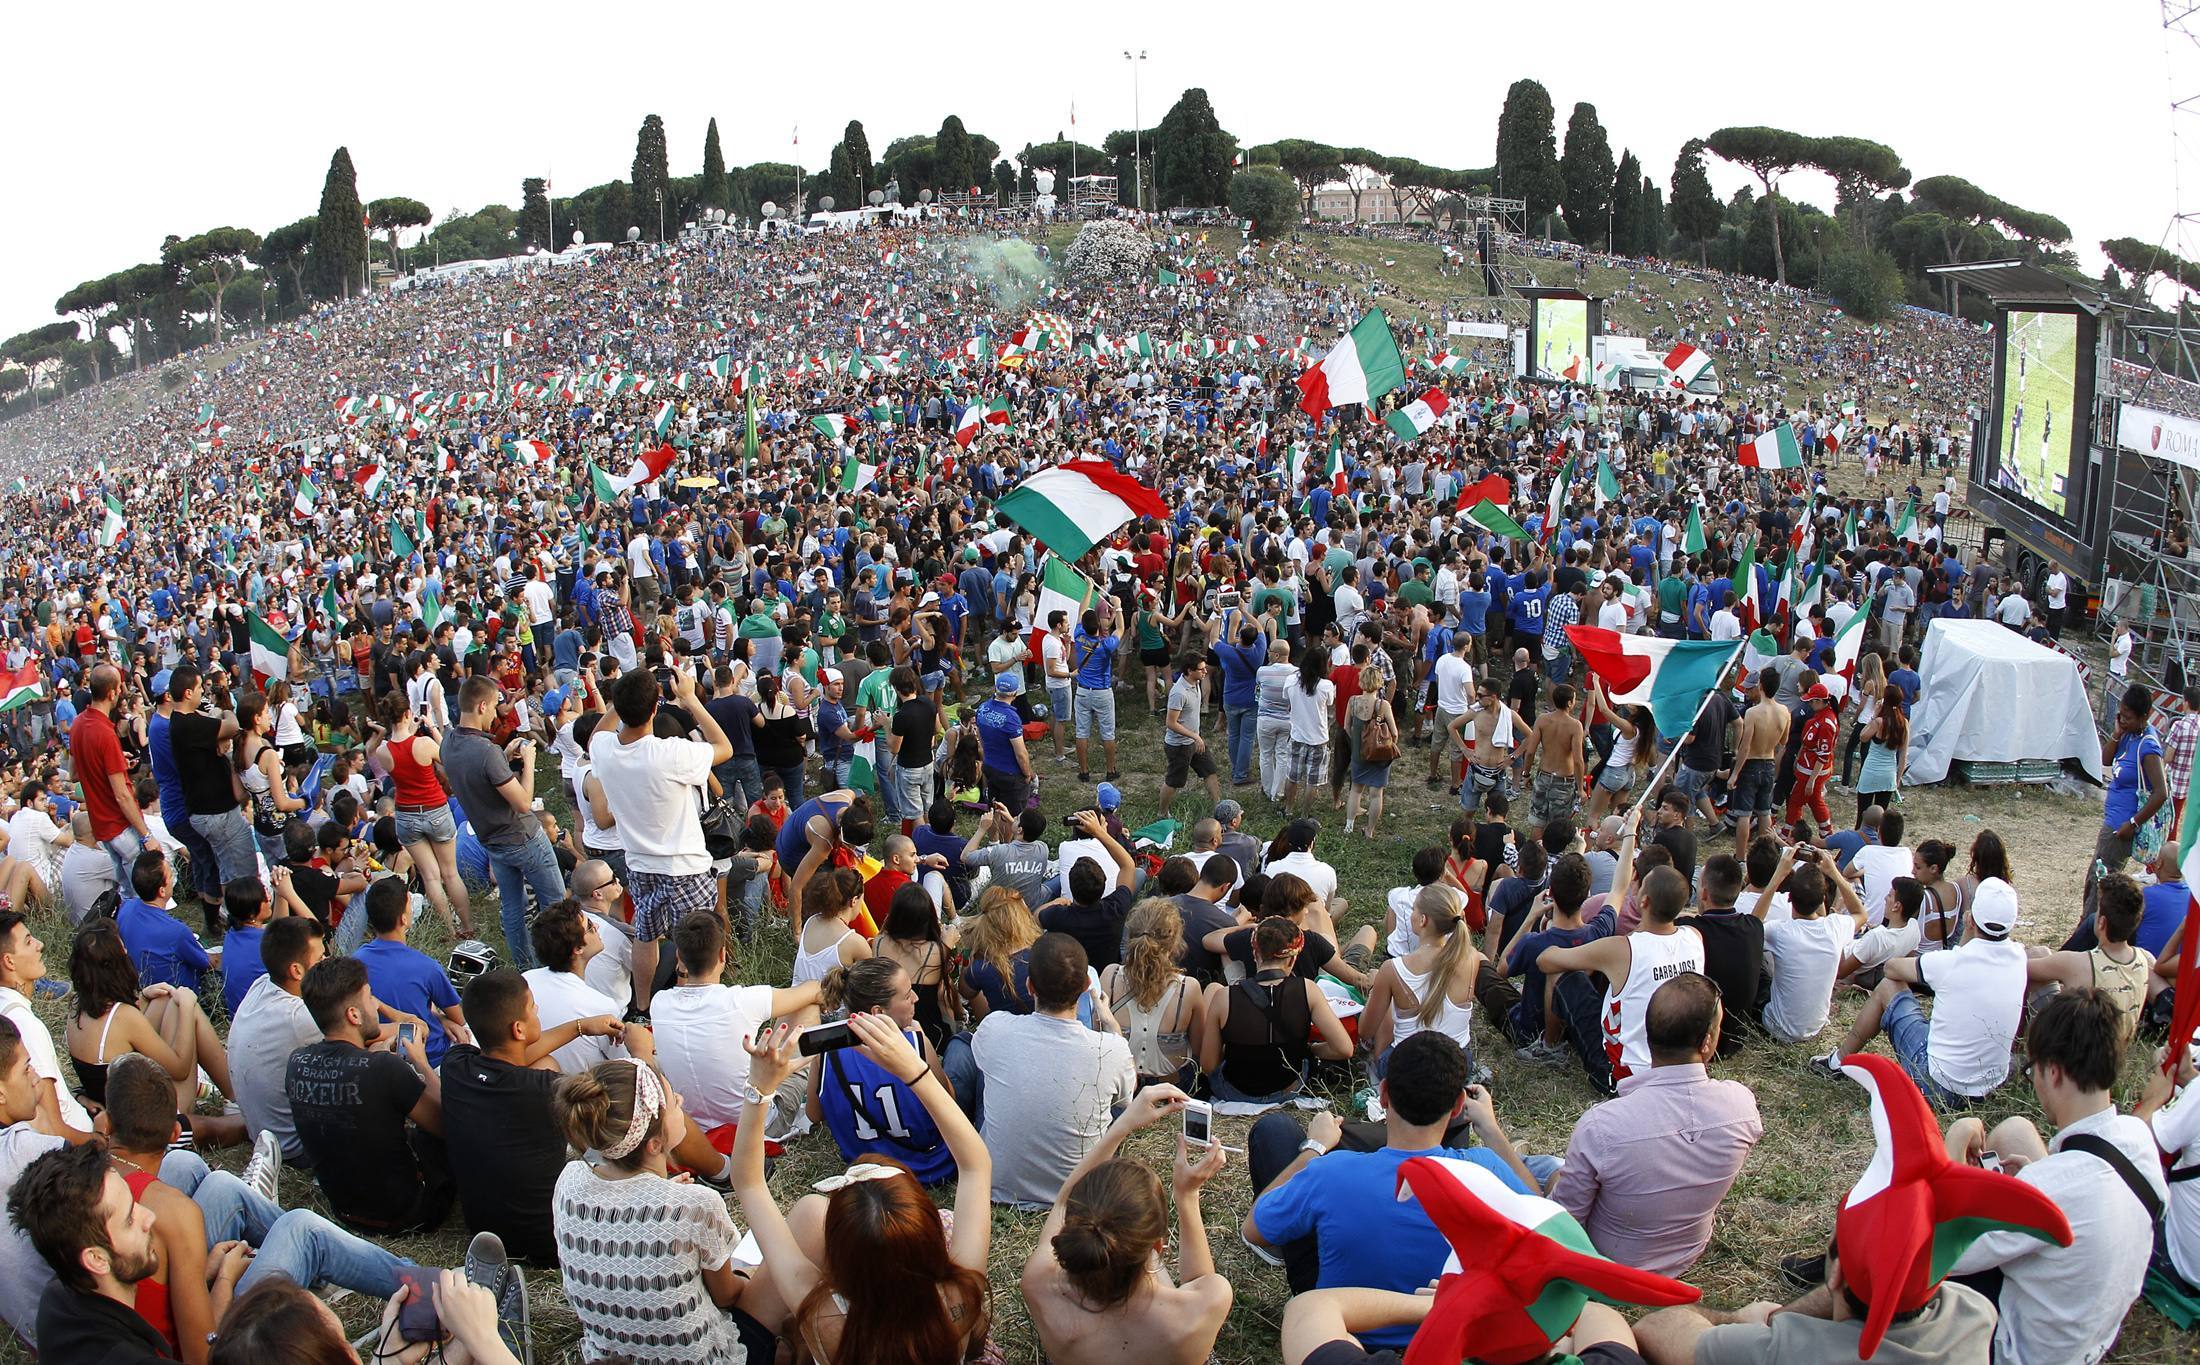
(1138, 129)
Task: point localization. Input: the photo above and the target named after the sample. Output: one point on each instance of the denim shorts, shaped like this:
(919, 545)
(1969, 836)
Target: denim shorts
(1909, 1032)
(1690, 782)
(434, 826)
(1752, 794)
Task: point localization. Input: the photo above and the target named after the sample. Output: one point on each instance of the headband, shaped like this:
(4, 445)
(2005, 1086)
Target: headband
(649, 1097)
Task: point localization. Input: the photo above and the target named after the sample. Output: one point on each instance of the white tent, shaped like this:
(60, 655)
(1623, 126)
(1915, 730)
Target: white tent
(1990, 695)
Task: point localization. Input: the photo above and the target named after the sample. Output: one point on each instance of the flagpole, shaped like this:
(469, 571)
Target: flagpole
(1667, 766)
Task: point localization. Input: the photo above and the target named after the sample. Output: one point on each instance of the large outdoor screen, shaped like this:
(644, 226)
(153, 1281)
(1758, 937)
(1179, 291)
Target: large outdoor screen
(1561, 334)
(2041, 426)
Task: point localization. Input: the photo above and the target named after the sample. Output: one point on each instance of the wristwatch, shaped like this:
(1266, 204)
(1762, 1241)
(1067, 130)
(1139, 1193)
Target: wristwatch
(1314, 1145)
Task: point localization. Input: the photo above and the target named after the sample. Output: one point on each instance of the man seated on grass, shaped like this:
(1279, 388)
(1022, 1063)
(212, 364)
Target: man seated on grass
(269, 1024)
(699, 1023)
(403, 977)
(22, 966)
(23, 1276)
(163, 950)
(1645, 1172)
(1804, 950)
(1332, 1217)
(1958, 1054)
(2115, 966)
(566, 940)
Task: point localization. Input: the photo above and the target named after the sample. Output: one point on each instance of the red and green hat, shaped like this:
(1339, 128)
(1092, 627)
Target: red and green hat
(1914, 1212)
(1520, 1270)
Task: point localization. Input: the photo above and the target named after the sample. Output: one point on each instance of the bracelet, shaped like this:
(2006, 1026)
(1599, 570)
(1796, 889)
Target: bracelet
(1310, 1145)
(750, 1094)
(922, 1072)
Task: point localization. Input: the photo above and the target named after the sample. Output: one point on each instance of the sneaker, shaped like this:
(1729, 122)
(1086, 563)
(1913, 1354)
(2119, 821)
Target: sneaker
(1084, 777)
(263, 1173)
(488, 1266)
(1260, 1252)
(1114, 775)
(486, 1262)
(1541, 1053)
(1481, 1075)
(1803, 1272)
(1827, 1065)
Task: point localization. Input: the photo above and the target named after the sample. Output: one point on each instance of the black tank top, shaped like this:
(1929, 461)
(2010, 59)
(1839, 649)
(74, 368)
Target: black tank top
(1266, 1039)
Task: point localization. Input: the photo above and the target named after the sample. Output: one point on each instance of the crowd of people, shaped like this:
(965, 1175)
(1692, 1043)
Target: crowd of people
(702, 544)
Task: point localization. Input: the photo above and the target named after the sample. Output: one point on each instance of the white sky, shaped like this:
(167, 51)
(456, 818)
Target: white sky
(230, 118)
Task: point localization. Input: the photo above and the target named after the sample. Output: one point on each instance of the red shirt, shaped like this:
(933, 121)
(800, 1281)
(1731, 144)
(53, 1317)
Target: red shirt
(1814, 756)
(1347, 678)
(95, 751)
(878, 893)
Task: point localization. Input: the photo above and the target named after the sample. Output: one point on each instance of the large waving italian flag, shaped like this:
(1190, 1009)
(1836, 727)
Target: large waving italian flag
(270, 651)
(977, 417)
(648, 466)
(1774, 449)
(1363, 366)
(1848, 644)
(22, 687)
(1685, 362)
(1416, 417)
(855, 474)
(1671, 677)
(1074, 506)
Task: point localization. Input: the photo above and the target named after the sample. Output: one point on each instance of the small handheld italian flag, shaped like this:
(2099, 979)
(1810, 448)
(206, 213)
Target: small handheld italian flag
(270, 651)
(831, 425)
(1061, 588)
(538, 451)
(1848, 647)
(855, 475)
(22, 687)
(112, 523)
(1692, 541)
(1520, 1271)
(371, 479)
(1684, 363)
(1414, 419)
(1914, 1212)
(978, 416)
(1554, 505)
(309, 493)
(1774, 449)
(661, 420)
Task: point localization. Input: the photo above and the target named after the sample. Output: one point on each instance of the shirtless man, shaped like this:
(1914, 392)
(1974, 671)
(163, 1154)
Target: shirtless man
(1554, 748)
(1496, 729)
(1757, 749)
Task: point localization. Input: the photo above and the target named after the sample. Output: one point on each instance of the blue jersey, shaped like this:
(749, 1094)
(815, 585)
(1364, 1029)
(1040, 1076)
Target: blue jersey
(871, 1113)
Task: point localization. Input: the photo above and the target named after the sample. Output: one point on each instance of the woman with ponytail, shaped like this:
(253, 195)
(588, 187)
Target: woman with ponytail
(868, 1110)
(1095, 1284)
(1431, 987)
(1158, 1004)
(670, 1293)
(877, 1273)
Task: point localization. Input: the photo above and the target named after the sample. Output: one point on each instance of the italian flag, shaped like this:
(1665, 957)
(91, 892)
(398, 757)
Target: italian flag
(832, 426)
(1607, 481)
(1835, 435)
(977, 416)
(1848, 644)
(1140, 345)
(370, 479)
(1061, 588)
(22, 687)
(1415, 418)
(1074, 506)
(2187, 1014)
(662, 419)
(1492, 518)
(112, 524)
(1554, 505)
(538, 451)
(1671, 677)
(1774, 449)
(1748, 603)
(1444, 362)
(1363, 366)
(270, 651)
(1905, 525)
(856, 475)
(301, 503)
(648, 466)
(863, 761)
(1684, 362)
(1302, 459)
(1692, 541)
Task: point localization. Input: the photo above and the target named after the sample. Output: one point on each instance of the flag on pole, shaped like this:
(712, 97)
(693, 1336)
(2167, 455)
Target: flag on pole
(1774, 449)
(832, 426)
(1684, 363)
(1748, 601)
(855, 475)
(977, 416)
(1848, 644)
(1360, 368)
(370, 479)
(1905, 526)
(2187, 1013)
(270, 651)
(748, 428)
(1494, 519)
(112, 524)
(431, 608)
(301, 504)
(22, 687)
(1692, 541)
(662, 419)
(1671, 677)
(1415, 418)
(1061, 588)
(331, 605)
(1554, 504)
(401, 545)
(1074, 506)
(1607, 481)
(538, 451)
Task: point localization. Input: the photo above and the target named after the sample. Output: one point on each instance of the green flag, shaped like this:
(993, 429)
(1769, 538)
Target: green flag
(401, 544)
(431, 608)
(599, 483)
(748, 428)
(1908, 519)
(1607, 481)
(1494, 519)
(331, 608)
(1692, 541)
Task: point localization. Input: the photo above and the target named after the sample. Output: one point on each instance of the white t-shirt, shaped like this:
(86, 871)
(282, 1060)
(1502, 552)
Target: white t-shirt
(560, 998)
(31, 835)
(652, 787)
(542, 603)
(1454, 678)
(39, 1043)
(612, 970)
(1978, 1000)
(1778, 910)
(1073, 851)
(1725, 625)
(1880, 865)
(1309, 869)
(2058, 586)
(1054, 658)
(2177, 1129)
(699, 1033)
(1805, 955)
(24, 1274)
(1313, 713)
(1883, 943)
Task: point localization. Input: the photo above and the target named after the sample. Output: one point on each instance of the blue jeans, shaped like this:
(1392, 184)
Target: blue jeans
(1580, 1005)
(1241, 723)
(122, 851)
(742, 781)
(1560, 669)
(1909, 1032)
(532, 866)
(299, 1243)
(963, 1077)
(886, 781)
(229, 834)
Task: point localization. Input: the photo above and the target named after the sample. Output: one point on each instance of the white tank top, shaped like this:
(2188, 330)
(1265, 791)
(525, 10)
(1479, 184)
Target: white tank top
(809, 966)
(593, 836)
(1455, 1021)
(1654, 960)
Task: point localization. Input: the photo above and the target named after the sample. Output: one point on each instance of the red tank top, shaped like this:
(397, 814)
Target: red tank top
(417, 784)
(151, 1300)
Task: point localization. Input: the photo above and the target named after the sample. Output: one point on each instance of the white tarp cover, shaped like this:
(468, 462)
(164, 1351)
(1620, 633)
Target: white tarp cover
(1993, 696)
